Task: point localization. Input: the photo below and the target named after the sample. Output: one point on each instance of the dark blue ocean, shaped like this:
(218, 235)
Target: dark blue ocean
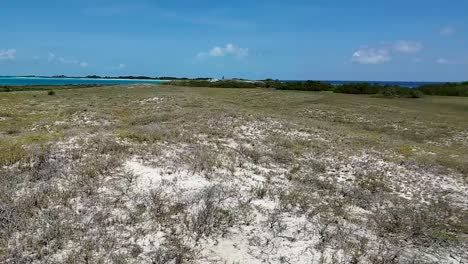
(402, 84)
(17, 81)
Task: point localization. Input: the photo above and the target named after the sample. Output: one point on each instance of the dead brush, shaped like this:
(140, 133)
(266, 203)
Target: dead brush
(260, 191)
(420, 224)
(203, 159)
(173, 250)
(104, 145)
(252, 153)
(281, 155)
(10, 221)
(373, 183)
(275, 222)
(45, 165)
(211, 217)
(162, 208)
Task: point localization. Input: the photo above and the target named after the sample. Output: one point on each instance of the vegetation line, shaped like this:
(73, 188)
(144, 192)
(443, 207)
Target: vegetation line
(449, 89)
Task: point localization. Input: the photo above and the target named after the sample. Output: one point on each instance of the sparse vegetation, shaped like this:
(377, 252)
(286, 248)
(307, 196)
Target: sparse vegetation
(168, 174)
(385, 91)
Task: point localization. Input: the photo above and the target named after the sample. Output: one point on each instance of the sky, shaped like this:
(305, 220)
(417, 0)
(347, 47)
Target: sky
(398, 40)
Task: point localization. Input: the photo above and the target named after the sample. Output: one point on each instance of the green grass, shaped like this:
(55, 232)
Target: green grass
(390, 166)
(383, 91)
(355, 122)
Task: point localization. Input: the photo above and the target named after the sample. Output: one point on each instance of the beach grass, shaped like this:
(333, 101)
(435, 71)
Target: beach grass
(161, 173)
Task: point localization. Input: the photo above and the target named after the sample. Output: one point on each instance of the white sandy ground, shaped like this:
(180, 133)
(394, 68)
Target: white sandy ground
(154, 100)
(415, 183)
(294, 238)
(257, 242)
(235, 247)
(269, 235)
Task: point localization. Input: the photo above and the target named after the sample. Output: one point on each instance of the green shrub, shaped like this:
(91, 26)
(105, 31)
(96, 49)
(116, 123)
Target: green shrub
(448, 89)
(303, 86)
(5, 89)
(415, 94)
(218, 84)
(358, 88)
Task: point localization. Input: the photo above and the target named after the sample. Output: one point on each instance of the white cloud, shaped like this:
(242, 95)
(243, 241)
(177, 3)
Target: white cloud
(446, 61)
(228, 50)
(217, 52)
(65, 61)
(371, 56)
(383, 54)
(447, 31)
(9, 54)
(408, 46)
(443, 61)
(51, 57)
(121, 66)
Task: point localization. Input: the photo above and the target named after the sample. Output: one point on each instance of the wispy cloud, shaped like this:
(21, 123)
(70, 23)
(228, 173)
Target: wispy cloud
(447, 31)
(121, 66)
(445, 61)
(52, 58)
(408, 46)
(9, 54)
(83, 64)
(212, 18)
(228, 50)
(383, 53)
(371, 56)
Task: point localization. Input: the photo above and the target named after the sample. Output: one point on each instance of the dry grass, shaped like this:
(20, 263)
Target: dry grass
(161, 174)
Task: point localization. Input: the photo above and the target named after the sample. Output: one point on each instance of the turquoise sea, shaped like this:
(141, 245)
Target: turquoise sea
(17, 81)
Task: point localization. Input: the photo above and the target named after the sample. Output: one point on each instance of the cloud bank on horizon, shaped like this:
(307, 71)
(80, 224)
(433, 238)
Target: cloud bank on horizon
(228, 50)
(7, 54)
(383, 54)
(297, 40)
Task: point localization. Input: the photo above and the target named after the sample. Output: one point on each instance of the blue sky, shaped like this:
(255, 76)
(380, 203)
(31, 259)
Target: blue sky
(410, 40)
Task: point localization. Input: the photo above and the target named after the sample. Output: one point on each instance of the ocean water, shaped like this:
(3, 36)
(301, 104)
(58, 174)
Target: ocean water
(17, 81)
(402, 84)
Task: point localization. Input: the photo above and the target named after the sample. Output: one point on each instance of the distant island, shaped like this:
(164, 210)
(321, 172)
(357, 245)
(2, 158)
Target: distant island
(169, 78)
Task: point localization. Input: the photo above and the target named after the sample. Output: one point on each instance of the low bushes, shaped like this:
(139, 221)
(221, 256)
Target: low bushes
(387, 91)
(304, 86)
(449, 89)
(218, 84)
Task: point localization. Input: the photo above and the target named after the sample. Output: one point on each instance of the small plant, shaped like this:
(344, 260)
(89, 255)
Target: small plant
(373, 184)
(5, 89)
(204, 160)
(406, 150)
(260, 192)
(415, 94)
(211, 217)
(50, 93)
